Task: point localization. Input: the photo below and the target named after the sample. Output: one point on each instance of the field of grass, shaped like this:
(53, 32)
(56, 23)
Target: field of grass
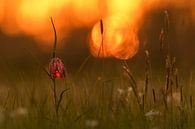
(100, 94)
(108, 95)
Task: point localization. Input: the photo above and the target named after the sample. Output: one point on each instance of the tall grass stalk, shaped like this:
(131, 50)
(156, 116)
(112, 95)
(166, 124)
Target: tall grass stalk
(57, 99)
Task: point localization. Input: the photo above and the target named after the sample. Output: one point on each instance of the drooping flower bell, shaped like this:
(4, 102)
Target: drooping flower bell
(56, 68)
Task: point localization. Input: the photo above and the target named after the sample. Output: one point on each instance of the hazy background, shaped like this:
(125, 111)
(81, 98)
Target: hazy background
(25, 26)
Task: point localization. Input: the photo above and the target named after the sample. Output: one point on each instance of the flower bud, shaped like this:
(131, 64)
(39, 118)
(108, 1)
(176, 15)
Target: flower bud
(56, 68)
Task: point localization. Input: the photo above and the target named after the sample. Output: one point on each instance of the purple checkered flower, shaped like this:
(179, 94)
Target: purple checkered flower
(56, 68)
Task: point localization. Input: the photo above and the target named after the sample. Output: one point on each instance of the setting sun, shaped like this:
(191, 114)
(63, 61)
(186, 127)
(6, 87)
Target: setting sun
(118, 40)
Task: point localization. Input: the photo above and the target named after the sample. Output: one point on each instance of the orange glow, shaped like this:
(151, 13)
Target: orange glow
(119, 38)
(121, 24)
(1, 10)
(123, 6)
(32, 18)
(193, 9)
(8, 18)
(85, 12)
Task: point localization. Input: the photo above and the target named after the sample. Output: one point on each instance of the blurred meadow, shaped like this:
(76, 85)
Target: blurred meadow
(128, 64)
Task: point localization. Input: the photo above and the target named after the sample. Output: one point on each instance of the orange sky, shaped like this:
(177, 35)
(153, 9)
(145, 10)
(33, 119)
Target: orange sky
(32, 17)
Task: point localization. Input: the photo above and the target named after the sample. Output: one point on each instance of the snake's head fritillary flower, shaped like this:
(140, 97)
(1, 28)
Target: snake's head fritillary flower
(56, 68)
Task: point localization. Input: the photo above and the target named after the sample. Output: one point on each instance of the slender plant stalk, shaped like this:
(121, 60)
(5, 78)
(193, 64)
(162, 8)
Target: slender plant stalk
(55, 38)
(191, 102)
(102, 41)
(101, 49)
(83, 65)
(147, 74)
(133, 83)
(55, 96)
(54, 55)
(38, 62)
(57, 99)
(154, 95)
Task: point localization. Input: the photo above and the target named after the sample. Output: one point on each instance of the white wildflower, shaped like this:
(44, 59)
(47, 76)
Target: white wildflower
(130, 89)
(151, 114)
(21, 111)
(176, 98)
(120, 91)
(99, 78)
(92, 123)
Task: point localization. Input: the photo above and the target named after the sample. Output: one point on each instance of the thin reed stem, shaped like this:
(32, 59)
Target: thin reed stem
(133, 83)
(55, 38)
(101, 49)
(55, 96)
(191, 102)
(147, 72)
(154, 95)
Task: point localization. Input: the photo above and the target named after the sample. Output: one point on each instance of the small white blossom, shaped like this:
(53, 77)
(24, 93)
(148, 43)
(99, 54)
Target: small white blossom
(92, 123)
(151, 114)
(120, 91)
(21, 111)
(176, 98)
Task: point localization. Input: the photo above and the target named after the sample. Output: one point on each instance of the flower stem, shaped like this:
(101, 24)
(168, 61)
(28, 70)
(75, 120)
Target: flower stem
(55, 96)
(55, 38)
